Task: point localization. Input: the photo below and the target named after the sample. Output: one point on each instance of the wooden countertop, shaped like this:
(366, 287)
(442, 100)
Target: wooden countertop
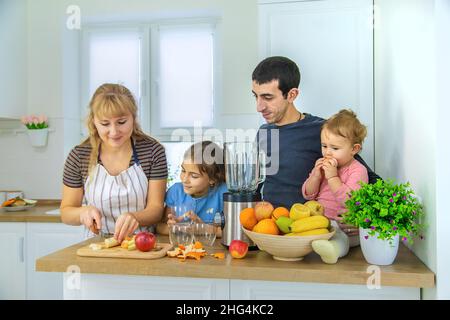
(35, 214)
(407, 270)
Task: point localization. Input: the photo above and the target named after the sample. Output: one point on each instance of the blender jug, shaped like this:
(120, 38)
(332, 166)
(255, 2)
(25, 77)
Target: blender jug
(244, 170)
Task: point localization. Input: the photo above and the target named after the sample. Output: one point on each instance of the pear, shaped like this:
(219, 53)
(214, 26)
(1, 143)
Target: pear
(283, 224)
(299, 211)
(315, 207)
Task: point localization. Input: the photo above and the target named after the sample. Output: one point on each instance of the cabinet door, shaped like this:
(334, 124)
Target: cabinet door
(43, 239)
(13, 261)
(331, 41)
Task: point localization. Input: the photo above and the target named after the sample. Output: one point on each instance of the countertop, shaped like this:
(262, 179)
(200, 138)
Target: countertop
(407, 270)
(35, 214)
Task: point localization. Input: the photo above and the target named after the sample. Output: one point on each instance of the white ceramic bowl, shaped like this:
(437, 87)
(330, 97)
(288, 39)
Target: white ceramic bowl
(286, 248)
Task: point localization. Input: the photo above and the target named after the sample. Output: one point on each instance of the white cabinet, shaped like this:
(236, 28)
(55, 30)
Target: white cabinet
(13, 260)
(121, 287)
(332, 43)
(43, 239)
(278, 290)
(21, 243)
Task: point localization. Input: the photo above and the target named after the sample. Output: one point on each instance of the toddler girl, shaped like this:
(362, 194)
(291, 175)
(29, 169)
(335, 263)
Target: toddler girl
(201, 188)
(334, 176)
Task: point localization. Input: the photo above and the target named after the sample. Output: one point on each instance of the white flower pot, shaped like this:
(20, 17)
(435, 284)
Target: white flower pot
(38, 137)
(378, 251)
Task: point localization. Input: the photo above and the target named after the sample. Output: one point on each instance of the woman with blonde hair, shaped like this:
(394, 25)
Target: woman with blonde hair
(115, 181)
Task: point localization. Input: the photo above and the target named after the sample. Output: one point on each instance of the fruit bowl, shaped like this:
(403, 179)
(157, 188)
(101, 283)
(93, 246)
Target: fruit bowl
(286, 248)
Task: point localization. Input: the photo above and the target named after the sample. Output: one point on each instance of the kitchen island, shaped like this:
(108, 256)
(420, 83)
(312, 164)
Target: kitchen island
(257, 276)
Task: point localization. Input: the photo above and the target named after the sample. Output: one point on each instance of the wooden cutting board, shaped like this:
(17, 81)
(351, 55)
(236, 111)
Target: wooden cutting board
(118, 252)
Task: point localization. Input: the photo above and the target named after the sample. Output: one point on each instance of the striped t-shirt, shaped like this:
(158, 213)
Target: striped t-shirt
(150, 153)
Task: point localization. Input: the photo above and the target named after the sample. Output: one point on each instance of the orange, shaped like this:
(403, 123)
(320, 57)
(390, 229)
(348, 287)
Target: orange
(280, 212)
(267, 226)
(247, 218)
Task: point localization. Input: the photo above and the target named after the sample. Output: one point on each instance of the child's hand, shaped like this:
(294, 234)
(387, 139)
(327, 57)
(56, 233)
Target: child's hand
(172, 219)
(317, 170)
(330, 168)
(193, 217)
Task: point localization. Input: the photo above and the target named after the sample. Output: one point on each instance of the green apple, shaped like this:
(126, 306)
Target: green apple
(283, 224)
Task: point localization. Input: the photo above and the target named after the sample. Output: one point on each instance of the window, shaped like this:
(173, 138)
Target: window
(169, 67)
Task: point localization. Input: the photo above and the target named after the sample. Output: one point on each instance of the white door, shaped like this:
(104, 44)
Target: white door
(13, 260)
(332, 42)
(43, 239)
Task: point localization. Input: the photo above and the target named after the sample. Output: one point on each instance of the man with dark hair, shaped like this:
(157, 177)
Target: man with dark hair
(290, 138)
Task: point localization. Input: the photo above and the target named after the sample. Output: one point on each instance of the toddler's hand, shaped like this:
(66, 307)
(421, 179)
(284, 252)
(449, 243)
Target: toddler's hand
(330, 168)
(317, 170)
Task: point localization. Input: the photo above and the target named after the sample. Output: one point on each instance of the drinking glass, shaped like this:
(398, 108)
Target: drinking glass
(181, 233)
(182, 211)
(205, 233)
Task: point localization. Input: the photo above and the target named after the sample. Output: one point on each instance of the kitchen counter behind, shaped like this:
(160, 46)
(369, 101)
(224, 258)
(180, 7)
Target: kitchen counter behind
(35, 214)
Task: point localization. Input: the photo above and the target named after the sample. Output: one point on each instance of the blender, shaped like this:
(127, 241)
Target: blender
(244, 171)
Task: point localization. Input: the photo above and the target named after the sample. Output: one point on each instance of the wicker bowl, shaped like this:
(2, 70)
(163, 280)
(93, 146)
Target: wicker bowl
(286, 248)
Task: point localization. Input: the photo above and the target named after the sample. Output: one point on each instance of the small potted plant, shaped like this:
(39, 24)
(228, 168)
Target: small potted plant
(384, 212)
(37, 129)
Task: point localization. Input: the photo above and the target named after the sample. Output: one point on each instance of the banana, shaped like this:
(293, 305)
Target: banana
(309, 223)
(309, 233)
(313, 232)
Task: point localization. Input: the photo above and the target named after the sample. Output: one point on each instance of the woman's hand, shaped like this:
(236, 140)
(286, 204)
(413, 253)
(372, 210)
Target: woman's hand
(330, 168)
(126, 224)
(91, 218)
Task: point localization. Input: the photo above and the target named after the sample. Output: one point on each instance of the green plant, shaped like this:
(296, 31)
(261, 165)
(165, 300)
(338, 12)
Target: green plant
(35, 122)
(386, 208)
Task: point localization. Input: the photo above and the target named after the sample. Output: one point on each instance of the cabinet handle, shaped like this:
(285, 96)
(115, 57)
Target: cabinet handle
(21, 249)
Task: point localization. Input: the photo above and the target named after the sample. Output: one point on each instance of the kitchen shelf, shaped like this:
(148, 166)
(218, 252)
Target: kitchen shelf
(17, 131)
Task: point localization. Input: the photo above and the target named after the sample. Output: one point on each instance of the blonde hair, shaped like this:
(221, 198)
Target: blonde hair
(346, 124)
(110, 100)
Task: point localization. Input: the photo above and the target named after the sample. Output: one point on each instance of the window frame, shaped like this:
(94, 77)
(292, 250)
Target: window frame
(149, 104)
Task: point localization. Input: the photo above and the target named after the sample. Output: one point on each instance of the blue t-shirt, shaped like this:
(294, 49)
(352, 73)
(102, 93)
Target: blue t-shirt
(205, 207)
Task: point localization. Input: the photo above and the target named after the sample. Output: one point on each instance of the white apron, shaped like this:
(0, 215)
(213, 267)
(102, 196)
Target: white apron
(115, 195)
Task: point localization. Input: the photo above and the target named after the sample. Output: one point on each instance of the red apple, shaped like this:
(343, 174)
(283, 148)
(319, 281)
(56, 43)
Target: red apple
(145, 241)
(238, 249)
(263, 210)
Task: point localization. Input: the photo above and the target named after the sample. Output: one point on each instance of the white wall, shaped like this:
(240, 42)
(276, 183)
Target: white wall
(442, 12)
(409, 115)
(53, 76)
(13, 52)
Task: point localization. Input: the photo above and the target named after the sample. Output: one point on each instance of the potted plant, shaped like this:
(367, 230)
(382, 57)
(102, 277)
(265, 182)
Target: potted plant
(37, 129)
(384, 212)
